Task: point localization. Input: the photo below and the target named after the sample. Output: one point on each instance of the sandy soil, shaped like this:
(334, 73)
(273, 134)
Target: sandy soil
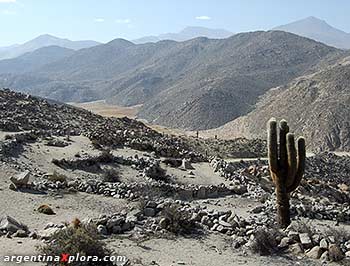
(208, 250)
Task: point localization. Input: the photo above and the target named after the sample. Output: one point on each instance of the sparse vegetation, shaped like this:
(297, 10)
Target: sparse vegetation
(304, 227)
(111, 175)
(265, 242)
(57, 177)
(177, 221)
(106, 156)
(74, 239)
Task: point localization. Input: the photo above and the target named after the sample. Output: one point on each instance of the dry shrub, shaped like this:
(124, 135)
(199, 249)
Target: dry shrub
(178, 221)
(77, 238)
(265, 242)
(304, 227)
(57, 177)
(111, 175)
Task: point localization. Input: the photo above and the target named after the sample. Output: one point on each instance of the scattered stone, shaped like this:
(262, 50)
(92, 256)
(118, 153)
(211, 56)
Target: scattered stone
(45, 209)
(315, 252)
(324, 243)
(150, 212)
(21, 233)
(335, 253)
(305, 240)
(296, 248)
(21, 180)
(10, 225)
(101, 229)
(13, 187)
(325, 256)
(285, 242)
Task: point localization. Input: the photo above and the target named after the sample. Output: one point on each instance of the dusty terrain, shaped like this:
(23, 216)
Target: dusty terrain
(103, 170)
(158, 251)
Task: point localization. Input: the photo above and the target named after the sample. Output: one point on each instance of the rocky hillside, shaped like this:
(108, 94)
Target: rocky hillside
(196, 84)
(23, 113)
(316, 106)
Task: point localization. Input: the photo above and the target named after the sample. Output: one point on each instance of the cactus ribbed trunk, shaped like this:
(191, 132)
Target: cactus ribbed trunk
(283, 214)
(287, 164)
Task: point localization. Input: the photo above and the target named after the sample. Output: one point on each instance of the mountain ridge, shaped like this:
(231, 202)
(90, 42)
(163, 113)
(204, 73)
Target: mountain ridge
(43, 41)
(319, 30)
(186, 34)
(177, 81)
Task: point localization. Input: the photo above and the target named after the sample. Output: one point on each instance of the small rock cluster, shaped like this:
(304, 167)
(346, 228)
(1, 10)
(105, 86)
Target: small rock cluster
(9, 227)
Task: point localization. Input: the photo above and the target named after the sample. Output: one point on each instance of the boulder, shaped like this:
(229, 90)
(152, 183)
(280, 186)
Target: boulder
(315, 253)
(45, 209)
(285, 242)
(21, 180)
(149, 212)
(101, 229)
(296, 248)
(9, 224)
(225, 224)
(305, 240)
(325, 256)
(335, 253)
(21, 234)
(324, 243)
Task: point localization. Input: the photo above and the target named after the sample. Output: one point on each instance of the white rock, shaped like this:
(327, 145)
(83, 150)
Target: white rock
(305, 240)
(324, 243)
(315, 252)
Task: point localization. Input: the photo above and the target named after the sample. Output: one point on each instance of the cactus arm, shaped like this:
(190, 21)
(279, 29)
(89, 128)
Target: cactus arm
(301, 165)
(283, 156)
(272, 147)
(292, 160)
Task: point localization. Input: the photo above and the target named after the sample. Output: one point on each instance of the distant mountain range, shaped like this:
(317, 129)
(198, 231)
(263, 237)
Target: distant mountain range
(187, 34)
(40, 42)
(31, 61)
(197, 84)
(235, 83)
(318, 30)
(310, 27)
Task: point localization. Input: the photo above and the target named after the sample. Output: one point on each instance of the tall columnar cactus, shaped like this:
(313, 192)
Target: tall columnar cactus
(287, 165)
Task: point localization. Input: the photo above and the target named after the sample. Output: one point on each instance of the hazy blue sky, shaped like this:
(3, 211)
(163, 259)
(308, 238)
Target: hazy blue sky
(104, 20)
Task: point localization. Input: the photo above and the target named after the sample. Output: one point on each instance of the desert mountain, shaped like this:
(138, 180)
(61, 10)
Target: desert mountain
(318, 30)
(33, 60)
(197, 84)
(43, 41)
(316, 106)
(187, 34)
